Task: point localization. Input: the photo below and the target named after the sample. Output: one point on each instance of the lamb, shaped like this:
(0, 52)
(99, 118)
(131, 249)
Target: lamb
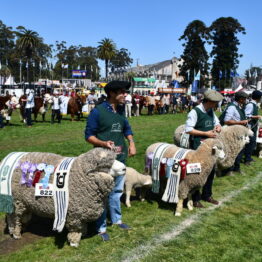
(233, 138)
(207, 155)
(133, 180)
(90, 182)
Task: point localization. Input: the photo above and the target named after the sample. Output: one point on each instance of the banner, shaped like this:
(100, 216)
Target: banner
(78, 73)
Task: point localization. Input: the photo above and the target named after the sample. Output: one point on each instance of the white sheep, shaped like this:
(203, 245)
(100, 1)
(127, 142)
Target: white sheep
(207, 155)
(135, 179)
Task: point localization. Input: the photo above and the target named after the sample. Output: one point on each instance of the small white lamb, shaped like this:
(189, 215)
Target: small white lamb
(133, 180)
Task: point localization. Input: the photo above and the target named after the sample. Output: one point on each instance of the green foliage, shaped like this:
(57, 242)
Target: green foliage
(121, 60)
(225, 55)
(106, 50)
(195, 56)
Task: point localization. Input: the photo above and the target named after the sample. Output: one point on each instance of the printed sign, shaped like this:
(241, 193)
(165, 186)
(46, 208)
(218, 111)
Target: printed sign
(193, 168)
(79, 73)
(43, 192)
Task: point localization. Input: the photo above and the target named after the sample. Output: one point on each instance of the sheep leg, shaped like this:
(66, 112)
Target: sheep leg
(190, 203)
(128, 194)
(18, 228)
(10, 220)
(74, 238)
(179, 208)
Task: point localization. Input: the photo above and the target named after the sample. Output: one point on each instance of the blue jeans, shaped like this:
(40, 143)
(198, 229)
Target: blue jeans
(28, 112)
(113, 205)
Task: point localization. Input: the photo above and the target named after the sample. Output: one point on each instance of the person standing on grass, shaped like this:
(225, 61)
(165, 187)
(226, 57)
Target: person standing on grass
(91, 100)
(30, 103)
(251, 111)
(108, 127)
(56, 108)
(202, 123)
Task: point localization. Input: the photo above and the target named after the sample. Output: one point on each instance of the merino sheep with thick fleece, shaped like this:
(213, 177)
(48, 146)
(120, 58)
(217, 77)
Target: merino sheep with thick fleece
(207, 155)
(135, 179)
(234, 138)
(90, 182)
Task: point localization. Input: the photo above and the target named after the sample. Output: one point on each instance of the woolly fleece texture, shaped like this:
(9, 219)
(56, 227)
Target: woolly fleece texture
(89, 186)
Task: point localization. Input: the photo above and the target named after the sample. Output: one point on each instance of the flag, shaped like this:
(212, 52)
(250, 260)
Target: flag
(220, 74)
(65, 66)
(40, 64)
(188, 74)
(232, 74)
(197, 76)
(194, 86)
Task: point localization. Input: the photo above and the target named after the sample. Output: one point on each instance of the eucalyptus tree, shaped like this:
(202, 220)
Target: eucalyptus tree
(121, 60)
(195, 56)
(223, 32)
(106, 51)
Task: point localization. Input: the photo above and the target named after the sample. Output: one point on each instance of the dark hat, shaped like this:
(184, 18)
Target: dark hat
(256, 94)
(213, 95)
(117, 85)
(241, 94)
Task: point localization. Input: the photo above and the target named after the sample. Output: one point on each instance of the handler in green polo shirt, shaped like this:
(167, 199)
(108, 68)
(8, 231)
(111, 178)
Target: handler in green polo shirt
(202, 123)
(108, 127)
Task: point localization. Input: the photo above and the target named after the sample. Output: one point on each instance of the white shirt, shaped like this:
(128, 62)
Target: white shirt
(250, 108)
(128, 99)
(55, 105)
(192, 118)
(232, 113)
(30, 103)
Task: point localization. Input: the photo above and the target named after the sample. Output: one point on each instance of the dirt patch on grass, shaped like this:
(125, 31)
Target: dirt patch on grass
(38, 229)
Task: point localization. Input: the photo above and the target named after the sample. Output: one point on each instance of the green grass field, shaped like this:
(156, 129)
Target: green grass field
(231, 232)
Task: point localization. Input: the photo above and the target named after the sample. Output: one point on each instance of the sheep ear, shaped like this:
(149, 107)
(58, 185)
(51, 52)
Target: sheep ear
(214, 148)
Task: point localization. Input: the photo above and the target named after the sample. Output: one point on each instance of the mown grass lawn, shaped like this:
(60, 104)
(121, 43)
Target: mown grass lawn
(229, 233)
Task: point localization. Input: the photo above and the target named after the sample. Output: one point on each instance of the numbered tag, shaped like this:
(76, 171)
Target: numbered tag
(41, 191)
(193, 168)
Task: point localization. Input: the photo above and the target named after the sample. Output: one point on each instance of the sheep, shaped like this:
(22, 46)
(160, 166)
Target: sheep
(207, 155)
(234, 138)
(90, 182)
(133, 180)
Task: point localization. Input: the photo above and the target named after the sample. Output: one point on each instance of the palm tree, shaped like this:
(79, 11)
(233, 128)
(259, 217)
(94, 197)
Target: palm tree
(5, 72)
(27, 42)
(106, 51)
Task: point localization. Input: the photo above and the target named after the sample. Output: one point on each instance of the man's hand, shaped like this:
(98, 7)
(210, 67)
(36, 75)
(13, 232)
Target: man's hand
(132, 149)
(218, 128)
(108, 144)
(211, 134)
(244, 122)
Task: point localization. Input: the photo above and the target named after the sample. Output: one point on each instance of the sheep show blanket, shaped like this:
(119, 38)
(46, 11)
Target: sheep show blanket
(174, 170)
(61, 192)
(158, 154)
(7, 167)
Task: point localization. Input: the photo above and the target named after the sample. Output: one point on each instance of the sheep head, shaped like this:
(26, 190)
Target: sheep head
(117, 169)
(218, 151)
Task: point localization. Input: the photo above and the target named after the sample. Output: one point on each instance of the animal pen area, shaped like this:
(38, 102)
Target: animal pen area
(230, 231)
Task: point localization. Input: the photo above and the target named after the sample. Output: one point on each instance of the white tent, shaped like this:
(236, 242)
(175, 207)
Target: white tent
(10, 81)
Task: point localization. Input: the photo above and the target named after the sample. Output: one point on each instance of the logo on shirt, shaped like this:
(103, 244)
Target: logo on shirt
(208, 123)
(116, 128)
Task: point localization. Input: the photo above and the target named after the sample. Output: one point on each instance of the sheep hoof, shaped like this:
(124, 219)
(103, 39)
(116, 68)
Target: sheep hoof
(142, 199)
(16, 236)
(74, 244)
(178, 214)
(190, 205)
(128, 205)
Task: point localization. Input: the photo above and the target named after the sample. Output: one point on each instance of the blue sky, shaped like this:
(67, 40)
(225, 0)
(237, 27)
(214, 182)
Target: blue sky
(149, 29)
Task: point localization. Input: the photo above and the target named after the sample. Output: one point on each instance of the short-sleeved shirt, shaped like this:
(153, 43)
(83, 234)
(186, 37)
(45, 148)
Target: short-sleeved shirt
(192, 118)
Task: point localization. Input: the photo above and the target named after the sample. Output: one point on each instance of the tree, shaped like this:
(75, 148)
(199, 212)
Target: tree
(225, 55)
(121, 60)
(195, 56)
(27, 43)
(106, 50)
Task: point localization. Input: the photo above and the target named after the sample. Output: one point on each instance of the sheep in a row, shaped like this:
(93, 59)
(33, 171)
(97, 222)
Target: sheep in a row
(207, 155)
